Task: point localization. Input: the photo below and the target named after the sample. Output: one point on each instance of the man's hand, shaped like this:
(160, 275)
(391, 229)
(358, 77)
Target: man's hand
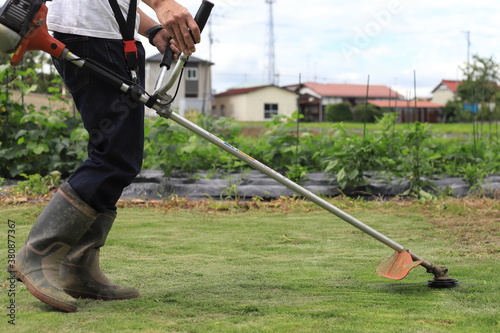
(178, 23)
(161, 41)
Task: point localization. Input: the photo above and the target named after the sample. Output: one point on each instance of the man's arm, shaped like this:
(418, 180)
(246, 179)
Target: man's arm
(178, 23)
(161, 39)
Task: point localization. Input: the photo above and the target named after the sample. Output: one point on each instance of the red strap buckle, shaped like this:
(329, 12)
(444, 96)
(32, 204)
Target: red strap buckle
(131, 55)
(129, 46)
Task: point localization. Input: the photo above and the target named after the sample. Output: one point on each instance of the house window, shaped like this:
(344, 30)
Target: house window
(270, 110)
(191, 82)
(191, 73)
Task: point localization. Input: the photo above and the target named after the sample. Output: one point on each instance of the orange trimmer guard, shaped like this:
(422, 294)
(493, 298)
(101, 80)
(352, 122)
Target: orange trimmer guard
(397, 266)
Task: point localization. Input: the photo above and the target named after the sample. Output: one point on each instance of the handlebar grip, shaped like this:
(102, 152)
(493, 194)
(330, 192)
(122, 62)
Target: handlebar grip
(168, 56)
(203, 14)
(201, 19)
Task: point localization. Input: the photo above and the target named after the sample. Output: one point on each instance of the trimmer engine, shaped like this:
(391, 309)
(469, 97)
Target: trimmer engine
(16, 20)
(23, 27)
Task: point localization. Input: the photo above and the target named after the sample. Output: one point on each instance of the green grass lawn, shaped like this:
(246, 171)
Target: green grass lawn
(284, 267)
(447, 128)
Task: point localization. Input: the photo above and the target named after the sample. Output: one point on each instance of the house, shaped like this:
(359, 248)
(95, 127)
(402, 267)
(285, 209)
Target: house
(314, 97)
(445, 91)
(258, 103)
(195, 88)
(410, 110)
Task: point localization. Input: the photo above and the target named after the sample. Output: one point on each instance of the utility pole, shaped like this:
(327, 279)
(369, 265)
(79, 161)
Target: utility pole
(271, 76)
(210, 40)
(467, 34)
(206, 92)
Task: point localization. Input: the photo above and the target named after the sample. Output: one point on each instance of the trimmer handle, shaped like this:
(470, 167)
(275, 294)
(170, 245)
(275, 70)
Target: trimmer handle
(203, 14)
(168, 56)
(201, 19)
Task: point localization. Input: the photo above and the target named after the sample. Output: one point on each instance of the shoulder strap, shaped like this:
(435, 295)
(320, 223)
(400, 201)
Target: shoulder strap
(127, 29)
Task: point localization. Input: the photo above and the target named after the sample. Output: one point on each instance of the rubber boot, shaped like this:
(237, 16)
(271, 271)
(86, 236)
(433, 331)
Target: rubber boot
(81, 275)
(60, 225)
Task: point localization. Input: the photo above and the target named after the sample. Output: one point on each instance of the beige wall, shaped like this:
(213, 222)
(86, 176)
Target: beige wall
(442, 96)
(225, 106)
(250, 106)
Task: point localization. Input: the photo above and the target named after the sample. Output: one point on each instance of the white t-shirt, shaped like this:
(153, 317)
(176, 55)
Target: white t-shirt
(93, 18)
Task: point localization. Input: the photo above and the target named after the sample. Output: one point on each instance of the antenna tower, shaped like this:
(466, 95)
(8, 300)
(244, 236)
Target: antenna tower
(271, 76)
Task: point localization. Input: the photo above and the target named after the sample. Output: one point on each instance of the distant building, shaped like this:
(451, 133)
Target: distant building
(259, 103)
(445, 91)
(314, 97)
(411, 110)
(195, 88)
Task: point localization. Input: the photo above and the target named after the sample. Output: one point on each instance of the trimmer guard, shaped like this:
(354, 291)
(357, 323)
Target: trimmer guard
(397, 266)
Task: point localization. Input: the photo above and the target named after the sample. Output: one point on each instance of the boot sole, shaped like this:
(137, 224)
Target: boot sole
(80, 294)
(41, 296)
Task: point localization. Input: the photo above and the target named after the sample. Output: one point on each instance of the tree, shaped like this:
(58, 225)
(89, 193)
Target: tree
(481, 81)
(454, 112)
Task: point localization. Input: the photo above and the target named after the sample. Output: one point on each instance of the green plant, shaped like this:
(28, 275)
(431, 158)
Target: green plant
(230, 192)
(36, 185)
(36, 141)
(472, 175)
(415, 150)
(354, 157)
(41, 141)
(401, 151)
(297, 173)
(281, 140)
(170, 147)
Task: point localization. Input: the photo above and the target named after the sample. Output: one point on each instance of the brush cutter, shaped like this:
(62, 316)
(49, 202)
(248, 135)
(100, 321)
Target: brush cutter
(23, 28)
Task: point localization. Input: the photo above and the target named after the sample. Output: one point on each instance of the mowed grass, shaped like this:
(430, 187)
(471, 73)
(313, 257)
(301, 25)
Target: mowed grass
(293, 268)
(441, 128)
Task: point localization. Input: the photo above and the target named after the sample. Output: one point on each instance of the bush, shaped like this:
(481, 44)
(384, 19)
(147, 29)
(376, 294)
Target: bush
(338, 112)
(366, 113)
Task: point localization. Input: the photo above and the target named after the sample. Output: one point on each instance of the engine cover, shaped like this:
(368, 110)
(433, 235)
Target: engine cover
(16, 18)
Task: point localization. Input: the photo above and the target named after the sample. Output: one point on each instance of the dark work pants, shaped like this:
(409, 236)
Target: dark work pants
(115, 123)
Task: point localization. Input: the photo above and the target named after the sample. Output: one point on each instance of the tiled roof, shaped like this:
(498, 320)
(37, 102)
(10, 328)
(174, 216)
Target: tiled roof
(450, 84)
(404, 104)
(237, 91)
(352, 90)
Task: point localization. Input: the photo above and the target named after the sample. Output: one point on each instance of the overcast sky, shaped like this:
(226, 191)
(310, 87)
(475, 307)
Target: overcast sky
(345, 42)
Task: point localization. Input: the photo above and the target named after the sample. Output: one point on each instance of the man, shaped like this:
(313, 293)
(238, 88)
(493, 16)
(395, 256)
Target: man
(60, 259)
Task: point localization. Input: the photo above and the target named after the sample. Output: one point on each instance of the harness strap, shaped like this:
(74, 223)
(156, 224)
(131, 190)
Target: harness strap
(127, 29)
